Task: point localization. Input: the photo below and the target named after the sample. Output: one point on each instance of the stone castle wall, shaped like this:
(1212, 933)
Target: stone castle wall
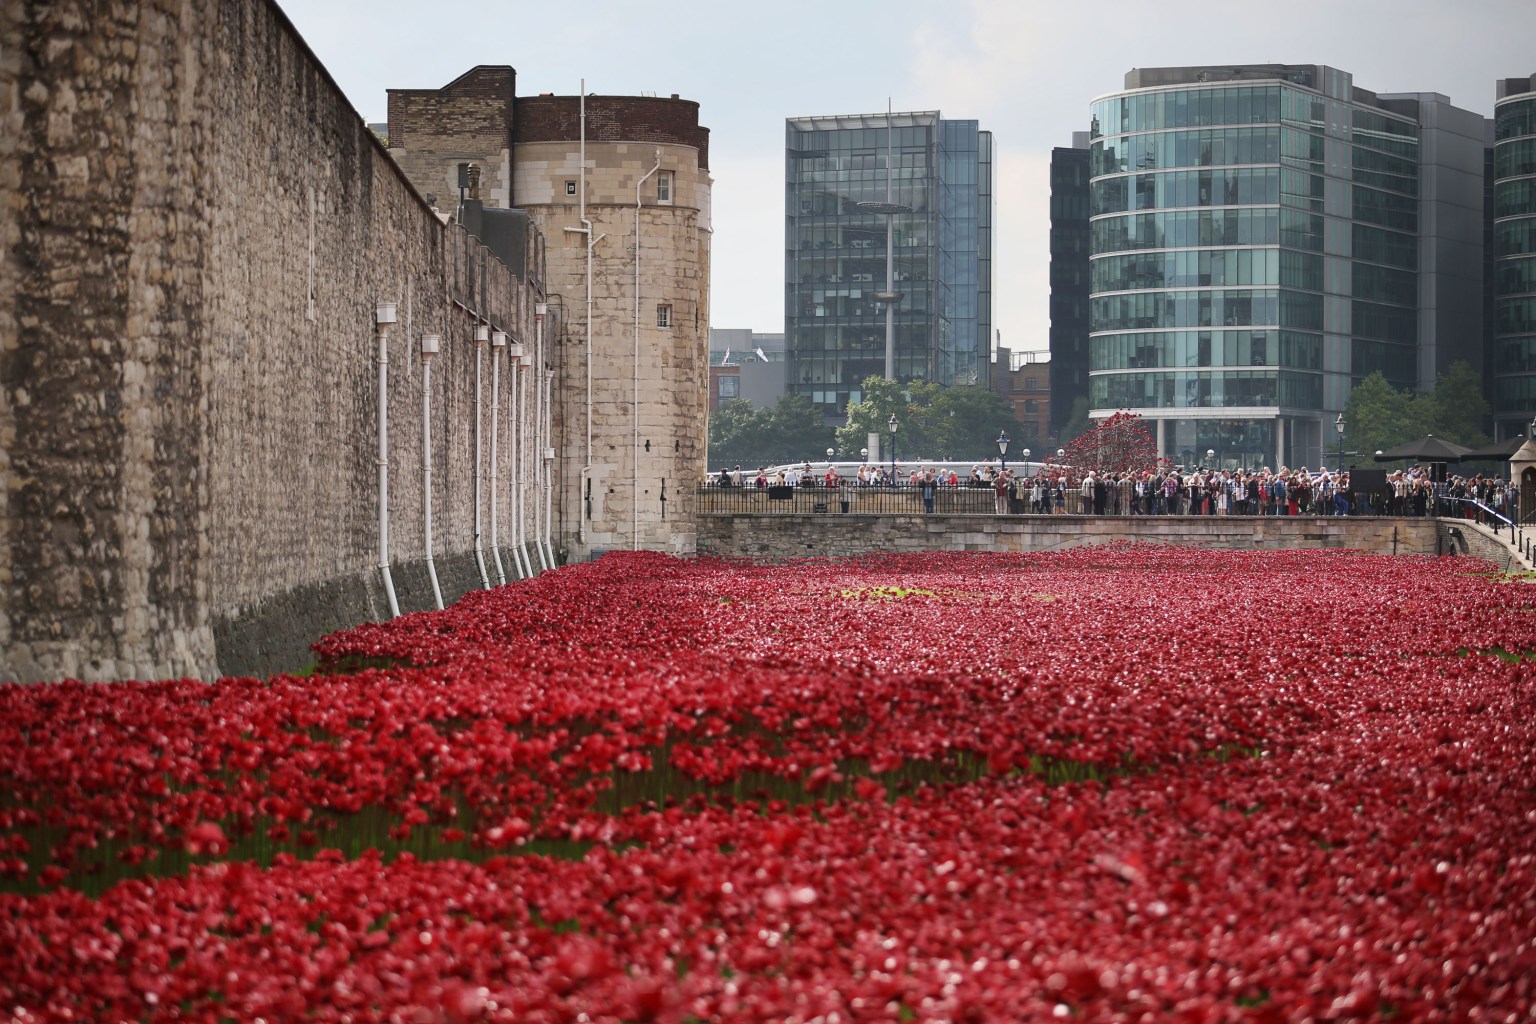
(474, 113)
(195, 228)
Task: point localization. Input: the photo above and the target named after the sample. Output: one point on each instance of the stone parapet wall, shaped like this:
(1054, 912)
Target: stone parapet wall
(834, 535)
(469, 120)
(643, 119)
(197, 227)
(1508, 552)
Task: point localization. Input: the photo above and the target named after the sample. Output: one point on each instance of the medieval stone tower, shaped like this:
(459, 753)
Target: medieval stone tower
(619, 187)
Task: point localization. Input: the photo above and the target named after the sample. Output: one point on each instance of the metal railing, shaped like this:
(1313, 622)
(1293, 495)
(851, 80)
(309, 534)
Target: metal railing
(1523, 542)
(910, 500)
(853, 500)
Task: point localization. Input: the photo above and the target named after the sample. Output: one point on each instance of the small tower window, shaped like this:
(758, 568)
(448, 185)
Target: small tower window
(664, 316)
(664, 186)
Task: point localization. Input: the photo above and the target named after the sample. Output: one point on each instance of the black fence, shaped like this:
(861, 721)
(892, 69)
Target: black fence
(913, 500)
(854, 500)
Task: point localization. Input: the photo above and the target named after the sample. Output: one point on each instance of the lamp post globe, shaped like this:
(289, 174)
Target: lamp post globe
(863, 454)
(1338, 426)
(1210, 457)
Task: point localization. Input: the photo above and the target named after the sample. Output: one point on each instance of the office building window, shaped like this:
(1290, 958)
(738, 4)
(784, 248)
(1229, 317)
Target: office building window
(730, 387)
(664, 316)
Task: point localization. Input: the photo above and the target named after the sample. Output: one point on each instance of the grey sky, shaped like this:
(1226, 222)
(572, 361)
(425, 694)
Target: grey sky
(1026, 69)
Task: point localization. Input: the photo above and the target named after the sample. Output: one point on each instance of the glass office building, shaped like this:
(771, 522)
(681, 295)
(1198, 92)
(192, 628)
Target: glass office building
(1258, 247)
(1069, 279)
(1514, 254)
(835, 252)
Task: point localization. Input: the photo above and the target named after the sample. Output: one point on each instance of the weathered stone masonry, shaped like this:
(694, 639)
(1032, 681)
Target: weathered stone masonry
(195, 228)
(637, 488)
(832, 535)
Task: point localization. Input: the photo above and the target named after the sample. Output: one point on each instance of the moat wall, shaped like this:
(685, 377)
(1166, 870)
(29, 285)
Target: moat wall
(834, 535)
(195, 229)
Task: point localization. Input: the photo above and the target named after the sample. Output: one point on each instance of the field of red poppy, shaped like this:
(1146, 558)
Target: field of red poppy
(1118, 784)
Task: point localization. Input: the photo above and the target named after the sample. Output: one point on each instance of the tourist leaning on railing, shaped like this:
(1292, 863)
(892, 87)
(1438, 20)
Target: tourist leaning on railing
(1057, 490)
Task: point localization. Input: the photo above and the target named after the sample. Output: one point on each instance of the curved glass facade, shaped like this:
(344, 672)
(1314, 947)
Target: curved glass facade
(1255, 248)
(1514, 268)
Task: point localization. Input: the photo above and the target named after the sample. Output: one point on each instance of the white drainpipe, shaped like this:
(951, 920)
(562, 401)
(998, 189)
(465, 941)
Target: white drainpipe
(519, 439)
(430, 343)
(498, 342)
(634, 408)
(540, 439)
(525, 361)
(585, 229)
(482, 336)
(548, 552)
(384, 316)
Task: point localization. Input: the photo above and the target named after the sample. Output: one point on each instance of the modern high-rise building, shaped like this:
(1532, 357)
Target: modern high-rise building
(1069, 280)
(1514, 255)
(1265, 237)
(835, 290)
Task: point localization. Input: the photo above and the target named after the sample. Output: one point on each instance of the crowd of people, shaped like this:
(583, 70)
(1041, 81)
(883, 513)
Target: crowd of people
(1051, 490)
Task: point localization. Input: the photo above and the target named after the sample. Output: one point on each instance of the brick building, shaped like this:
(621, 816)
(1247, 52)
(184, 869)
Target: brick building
(1026, 386)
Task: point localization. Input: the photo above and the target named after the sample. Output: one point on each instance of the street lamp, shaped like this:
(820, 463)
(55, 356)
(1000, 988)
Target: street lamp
(1210, 457)
(1338, 426)
(863, 454)
(1026, 460)
(1002, 449)
(893, 425)
(888, 209)
(830, 453)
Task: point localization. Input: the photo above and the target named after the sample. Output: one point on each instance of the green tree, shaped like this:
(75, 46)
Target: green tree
(882, 399)
(1460, 406)
(795, 430)
(968, 420)
(1378, 416)
(734, 429)
(933, 422)
(789, 431)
